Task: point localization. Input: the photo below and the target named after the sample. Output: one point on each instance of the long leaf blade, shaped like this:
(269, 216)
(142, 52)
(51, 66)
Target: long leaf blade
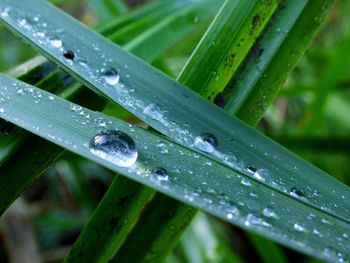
(193, 179)
(180, 113)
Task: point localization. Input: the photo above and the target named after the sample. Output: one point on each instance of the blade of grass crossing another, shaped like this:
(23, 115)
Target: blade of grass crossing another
(169, 107)
(235, 21)
(28, 71)
(197, 181)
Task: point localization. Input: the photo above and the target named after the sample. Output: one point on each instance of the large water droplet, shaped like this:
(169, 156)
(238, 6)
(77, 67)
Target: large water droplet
(206, 142)
(115, 147)
(110, 75)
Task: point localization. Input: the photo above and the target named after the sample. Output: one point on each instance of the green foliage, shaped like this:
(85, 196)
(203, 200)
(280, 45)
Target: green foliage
(246, 179)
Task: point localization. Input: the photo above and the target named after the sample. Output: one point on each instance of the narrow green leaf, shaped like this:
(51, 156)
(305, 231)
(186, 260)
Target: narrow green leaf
(173, 109)
(274, 56)
(237, 25)
(160, 235)
(193, 178)
(116, 212)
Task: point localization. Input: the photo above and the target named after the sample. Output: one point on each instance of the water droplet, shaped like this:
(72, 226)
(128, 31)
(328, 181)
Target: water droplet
(206, 142)
(154, 111)
(68, 54)
(296, 192)
(162, 147)
(2, 110)
(159, 174)
(56, 42)
(245, 181)
(269, 212)
(5, 13)
(115, 147)
(298, 227)
(261, 175)
(251, 169)
(110, 75)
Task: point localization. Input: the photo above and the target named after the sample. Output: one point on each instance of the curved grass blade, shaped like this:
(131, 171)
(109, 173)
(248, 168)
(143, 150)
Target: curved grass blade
(193, 178)
(172, 109)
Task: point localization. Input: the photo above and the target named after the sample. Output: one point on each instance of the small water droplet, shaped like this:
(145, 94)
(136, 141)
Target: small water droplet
(56, 42)
(68, 54)
(296, 192)
(298, 227)
(245, 181)
(269, 212)
(5, 13)
(110, 75)
(162, 147)
(154, 111)
(115, 147)
(206, 142)
(159, 174)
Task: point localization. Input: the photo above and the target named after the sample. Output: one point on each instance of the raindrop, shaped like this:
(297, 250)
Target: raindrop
(296, 192)
(68, 54)
(115, 147)
(261, 174)
(245, 181)
(206, 142)
(56, 42)
(159, 174)
(154, 111)
(251, 169)
(269, 212)
(162, 147)
(298, 227)
(110, 75)
(5, 13)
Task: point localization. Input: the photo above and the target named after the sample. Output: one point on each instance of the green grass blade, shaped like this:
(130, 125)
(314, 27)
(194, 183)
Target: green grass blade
(117, 212)
(227, 23)
(107, 9)
(175, 26)
(193, 179)
(28, 71)
(155, 241)
(269, 251)
(237, 26)
(274, 56)
(12, 186)
(175, 110)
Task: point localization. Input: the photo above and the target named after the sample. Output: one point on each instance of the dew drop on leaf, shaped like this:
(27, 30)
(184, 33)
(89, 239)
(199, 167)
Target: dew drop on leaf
(110, 75)
(115, 147)
(298, 227)
(269, 212)
(154, 111)
(159, 174)
(206, 142)
(68, 54)
(56, 42)
(296, 192)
